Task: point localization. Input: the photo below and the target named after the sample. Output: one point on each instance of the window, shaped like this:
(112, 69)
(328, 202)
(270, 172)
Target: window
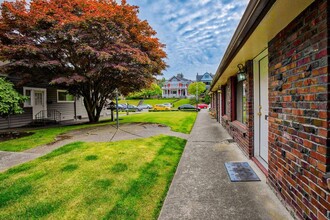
(38, 98)
(64, 96)
(241, 109)
(224, 100)
(27, 93)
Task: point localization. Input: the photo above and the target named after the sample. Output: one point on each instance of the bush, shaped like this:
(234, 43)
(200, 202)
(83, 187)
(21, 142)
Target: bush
(10, 100)
(187, 110)
(173, 110)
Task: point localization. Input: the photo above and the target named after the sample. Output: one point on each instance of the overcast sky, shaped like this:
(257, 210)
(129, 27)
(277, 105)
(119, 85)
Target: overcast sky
(196, 32)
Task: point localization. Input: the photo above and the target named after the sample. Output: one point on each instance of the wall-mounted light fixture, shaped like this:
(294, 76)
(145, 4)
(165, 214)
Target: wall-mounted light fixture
(241, 74)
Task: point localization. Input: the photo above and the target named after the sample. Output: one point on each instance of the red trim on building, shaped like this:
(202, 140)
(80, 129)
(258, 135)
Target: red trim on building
(261, 167)
(223, 100)
(233, 97)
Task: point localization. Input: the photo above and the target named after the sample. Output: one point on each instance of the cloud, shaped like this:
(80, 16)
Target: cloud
(196, 32)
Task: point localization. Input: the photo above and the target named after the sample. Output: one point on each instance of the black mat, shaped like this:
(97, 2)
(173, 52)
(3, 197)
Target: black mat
(241, 172)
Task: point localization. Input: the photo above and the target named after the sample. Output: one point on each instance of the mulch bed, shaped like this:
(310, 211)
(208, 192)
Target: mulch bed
(5, 136)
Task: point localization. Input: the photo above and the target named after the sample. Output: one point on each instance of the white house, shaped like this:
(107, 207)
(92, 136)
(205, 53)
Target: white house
(176, 87)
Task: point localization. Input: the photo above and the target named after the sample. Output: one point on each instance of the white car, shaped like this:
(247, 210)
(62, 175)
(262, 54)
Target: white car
(168, 105)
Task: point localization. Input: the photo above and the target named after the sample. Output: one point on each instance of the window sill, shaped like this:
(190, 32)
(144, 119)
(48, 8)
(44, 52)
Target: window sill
(239, 126)
(65, 101)
(225, 118)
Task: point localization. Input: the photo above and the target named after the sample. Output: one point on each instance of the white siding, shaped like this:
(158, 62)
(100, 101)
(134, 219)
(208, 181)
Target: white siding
(19, 120)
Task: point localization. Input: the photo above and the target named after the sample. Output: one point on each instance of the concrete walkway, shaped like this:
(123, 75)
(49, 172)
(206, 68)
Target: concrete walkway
(201, 188)
(96, 134)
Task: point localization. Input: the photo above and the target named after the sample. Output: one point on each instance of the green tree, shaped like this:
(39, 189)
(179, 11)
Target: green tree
(10, 99)
(196, 87)
(153, 90)
(161, 82)
(207, 98)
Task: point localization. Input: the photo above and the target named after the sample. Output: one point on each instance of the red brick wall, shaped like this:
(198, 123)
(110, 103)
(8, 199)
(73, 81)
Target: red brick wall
(242, 134)
(250, 106)
(299, 155)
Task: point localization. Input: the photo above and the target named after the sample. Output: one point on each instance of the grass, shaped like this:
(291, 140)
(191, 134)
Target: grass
(117, 180)
(39, 137)
(181, 102)
(177, 121)
(151, 102)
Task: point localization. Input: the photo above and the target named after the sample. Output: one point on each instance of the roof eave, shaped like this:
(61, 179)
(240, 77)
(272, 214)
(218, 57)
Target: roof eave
(253, 15)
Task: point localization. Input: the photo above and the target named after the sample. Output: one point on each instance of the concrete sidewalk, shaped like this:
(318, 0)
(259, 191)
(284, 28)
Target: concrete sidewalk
(201, 188)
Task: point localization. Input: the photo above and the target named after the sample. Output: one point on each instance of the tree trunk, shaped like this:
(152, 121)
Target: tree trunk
(93, 113)
(112, 119)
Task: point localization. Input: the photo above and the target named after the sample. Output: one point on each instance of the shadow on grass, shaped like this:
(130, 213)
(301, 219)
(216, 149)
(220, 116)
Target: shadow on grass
(63, 150)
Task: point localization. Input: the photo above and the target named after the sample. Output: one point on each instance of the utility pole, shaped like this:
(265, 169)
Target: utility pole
(196, 96)
(117, 119)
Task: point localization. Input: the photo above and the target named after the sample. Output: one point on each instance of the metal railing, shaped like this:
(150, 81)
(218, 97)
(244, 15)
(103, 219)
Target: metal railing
(48, 115)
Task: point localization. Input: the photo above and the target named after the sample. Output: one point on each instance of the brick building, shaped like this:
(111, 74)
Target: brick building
(272, 91)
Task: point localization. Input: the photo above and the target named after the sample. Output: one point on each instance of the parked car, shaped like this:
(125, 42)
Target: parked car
(141, 107)
(120, 107)
(203, 106)
(168, 105)
(132, 108)
(188, 106)
(161, 107)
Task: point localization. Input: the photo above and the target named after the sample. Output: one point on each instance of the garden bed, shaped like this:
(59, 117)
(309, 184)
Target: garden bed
(5, 136)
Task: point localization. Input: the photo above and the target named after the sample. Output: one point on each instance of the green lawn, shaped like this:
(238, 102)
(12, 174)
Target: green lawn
(177, 121)
(117, 180)
(181, 102)
(151, 102)
(39, 137)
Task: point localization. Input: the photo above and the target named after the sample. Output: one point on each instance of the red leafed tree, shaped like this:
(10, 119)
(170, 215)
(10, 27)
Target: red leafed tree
(89, 47)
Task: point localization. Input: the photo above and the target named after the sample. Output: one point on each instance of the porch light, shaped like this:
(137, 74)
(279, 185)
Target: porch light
(241, 74)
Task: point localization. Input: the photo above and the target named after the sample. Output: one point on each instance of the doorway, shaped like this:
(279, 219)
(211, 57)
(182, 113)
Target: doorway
(36, 98)
(261, 109)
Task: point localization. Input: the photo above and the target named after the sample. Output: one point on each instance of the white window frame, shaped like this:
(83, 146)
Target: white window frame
(60, 101)
(239, 98)
(24, 93)
(33, 89)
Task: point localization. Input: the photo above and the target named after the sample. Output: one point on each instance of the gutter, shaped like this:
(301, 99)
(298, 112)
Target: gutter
(253, 15)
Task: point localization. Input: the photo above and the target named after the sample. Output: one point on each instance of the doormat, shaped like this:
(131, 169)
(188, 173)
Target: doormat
(241, 172)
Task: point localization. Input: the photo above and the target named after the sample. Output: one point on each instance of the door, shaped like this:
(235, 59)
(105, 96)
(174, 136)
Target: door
(39, 103)
(261, 108)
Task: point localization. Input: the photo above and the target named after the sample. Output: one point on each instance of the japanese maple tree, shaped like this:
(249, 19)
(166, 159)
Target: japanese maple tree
(88, 47)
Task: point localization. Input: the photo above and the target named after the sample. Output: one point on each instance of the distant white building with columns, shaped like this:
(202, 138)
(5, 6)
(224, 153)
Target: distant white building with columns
(176, 87)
